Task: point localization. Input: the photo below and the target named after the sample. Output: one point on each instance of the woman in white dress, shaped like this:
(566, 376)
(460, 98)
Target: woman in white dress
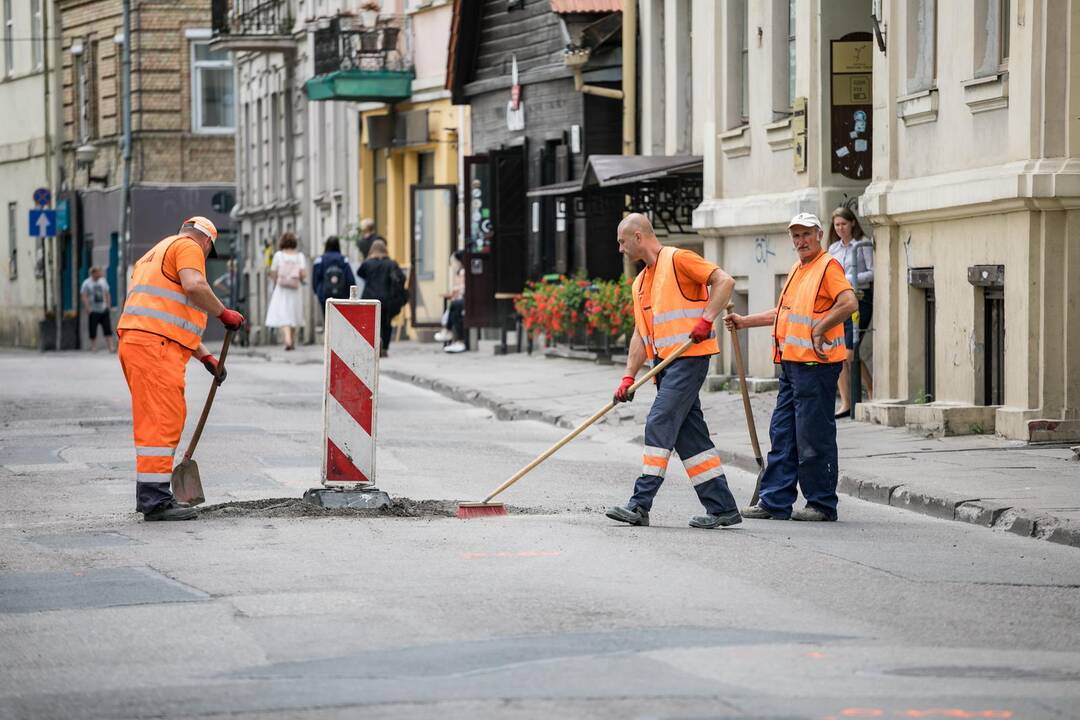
(288, 271)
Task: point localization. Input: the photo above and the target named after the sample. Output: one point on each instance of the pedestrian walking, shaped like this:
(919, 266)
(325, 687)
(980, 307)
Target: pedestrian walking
(367, 237)
(160, 329)
(384, 281)
(858, 264)
(678, 296)
(808, 344)
(331, 274)
(97, 301)
(288, 271)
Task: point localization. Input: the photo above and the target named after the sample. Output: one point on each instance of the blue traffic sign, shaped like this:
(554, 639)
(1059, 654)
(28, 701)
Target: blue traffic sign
(42, 197)
(42, 223)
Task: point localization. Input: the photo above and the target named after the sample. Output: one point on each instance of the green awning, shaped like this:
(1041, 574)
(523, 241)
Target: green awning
(365, 85)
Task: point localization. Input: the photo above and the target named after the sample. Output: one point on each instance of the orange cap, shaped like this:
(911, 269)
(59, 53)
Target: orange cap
(203, 225)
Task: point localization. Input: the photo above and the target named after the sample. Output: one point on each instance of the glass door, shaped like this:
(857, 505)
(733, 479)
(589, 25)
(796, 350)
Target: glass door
(434, 237)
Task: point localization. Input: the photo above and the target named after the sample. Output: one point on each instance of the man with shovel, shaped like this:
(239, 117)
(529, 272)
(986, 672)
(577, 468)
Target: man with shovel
(808, 344)
(160, 329)
(677, 297)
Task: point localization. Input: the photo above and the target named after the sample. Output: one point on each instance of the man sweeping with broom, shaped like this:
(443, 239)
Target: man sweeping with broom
(160, 329)
(678, 296)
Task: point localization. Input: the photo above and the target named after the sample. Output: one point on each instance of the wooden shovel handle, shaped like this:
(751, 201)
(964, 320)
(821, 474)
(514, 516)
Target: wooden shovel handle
(596, 416)
(210, 397)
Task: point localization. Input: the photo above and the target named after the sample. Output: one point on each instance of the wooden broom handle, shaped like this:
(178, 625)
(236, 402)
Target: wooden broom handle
(596, 416)
(210, 397)
(745, 395)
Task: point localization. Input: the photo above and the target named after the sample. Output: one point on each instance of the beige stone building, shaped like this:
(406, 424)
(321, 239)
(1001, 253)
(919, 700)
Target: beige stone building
(975, 199)
(182, 123)
(774, 96)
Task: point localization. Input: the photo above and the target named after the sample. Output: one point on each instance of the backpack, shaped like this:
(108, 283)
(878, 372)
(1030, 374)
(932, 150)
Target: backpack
(334, 285)
(289, 273)
(399, 294)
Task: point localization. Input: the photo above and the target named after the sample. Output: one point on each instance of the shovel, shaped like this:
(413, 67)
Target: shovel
(748, 411)
(186, 484)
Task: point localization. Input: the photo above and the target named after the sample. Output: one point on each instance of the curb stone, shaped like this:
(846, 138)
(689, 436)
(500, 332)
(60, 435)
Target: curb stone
(975, 511)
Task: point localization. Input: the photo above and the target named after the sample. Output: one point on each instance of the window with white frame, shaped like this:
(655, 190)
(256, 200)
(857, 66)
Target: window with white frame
(9, 39)
(743, 25)
(37, 34)
(991, 36)
(783, 57)
(211, 89)
(791, 53)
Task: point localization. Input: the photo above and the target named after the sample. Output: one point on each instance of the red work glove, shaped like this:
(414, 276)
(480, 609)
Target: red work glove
(231, 319)
(701, 331)
(211, 364)
(622, 394)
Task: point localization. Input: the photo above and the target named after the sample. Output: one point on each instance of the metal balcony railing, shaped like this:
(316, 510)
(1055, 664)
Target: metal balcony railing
(251, 17)
(349, 44)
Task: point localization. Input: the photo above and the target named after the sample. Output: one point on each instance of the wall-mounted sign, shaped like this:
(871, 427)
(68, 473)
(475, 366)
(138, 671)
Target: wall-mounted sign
(515, 108)
(852, 113)
(798, 132)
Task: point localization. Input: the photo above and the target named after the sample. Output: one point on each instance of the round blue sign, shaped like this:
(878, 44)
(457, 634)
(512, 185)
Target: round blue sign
(42, 197)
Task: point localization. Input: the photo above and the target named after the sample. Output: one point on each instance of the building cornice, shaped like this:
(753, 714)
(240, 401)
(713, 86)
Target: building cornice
(1043, 184)
(754, 213)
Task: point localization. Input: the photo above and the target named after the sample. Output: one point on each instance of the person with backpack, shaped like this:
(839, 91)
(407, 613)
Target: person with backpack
(384, 280)
(288, 270)
(331, 274)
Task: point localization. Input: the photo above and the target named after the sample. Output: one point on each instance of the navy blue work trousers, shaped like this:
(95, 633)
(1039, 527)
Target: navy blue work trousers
(675, 422)
(803, 437)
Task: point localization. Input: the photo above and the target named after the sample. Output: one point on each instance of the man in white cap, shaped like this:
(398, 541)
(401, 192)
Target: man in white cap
(808, 344)
(161, 328)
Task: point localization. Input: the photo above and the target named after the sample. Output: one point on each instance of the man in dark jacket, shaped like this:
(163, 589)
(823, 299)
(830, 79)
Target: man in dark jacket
(384, 281)
(331, 274)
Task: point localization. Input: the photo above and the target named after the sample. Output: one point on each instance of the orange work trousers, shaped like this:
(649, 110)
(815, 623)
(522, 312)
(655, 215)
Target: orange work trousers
(154, 368)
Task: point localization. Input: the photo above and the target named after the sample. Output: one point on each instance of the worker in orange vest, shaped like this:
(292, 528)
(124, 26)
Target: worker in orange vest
(160, 329)
(677, 297)
(808, 345)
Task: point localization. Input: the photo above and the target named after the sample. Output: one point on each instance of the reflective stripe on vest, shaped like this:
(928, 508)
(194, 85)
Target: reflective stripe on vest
(157, 303)
(667, 322)
(796, 318)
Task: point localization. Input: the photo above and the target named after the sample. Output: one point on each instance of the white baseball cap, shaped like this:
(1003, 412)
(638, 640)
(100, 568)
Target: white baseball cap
(805, 220)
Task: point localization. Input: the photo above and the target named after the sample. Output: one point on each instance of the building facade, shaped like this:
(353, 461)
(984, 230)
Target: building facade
(975, 200)
(295, 159)
(28, 81)
(182, 128)
(781, 116)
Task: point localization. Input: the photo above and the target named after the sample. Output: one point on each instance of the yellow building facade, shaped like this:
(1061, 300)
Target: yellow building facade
(409, 184)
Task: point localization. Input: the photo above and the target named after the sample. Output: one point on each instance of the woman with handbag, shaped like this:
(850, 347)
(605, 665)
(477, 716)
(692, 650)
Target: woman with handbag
(288, 271)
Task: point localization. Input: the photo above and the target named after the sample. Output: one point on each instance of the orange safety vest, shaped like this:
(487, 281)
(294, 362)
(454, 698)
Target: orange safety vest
(796, 318)
(157, 304)
(667, 322)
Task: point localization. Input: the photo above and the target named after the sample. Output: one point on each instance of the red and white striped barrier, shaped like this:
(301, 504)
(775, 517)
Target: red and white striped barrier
(352, 381)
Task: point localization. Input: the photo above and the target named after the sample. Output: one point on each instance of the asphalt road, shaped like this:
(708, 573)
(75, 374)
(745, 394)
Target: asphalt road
(554, 611)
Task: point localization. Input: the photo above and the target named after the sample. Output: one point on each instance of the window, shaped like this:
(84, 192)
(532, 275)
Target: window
(37, 34)
(921, 45)
(13, 248)
(85, 90)
(743, 25)
(211, 89)
(791, 54)
(9, 39)
(991, 36)
(275, 147)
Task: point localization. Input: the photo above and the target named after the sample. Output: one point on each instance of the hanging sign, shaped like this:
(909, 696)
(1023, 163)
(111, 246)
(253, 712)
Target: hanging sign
(515, 108)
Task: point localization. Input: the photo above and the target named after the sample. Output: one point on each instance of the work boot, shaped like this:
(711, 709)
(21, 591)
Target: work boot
(171, 510)
(756, 512)
(629, 515)
(811, 514)
(710, 521)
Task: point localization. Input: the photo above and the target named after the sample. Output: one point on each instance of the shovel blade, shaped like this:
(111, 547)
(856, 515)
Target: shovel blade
(186, 484)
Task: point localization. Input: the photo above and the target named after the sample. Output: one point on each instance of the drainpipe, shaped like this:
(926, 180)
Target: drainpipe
(123, 248)
(579, 80)
(629, 76)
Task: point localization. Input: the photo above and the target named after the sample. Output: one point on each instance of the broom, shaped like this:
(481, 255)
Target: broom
(486, 508)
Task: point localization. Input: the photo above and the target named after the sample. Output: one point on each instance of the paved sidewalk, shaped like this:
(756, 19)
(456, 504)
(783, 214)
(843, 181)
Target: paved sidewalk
(1025, 489)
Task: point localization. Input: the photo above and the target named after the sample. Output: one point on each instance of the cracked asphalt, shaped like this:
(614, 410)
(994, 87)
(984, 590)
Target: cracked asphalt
(552, 612)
